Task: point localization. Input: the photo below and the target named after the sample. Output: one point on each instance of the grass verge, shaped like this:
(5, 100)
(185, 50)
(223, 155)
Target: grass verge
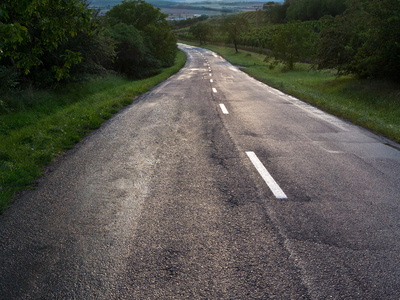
(42, 124)
(372, 104)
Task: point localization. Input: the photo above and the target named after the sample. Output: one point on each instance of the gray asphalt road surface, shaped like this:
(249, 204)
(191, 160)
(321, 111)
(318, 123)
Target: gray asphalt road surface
(164, 202)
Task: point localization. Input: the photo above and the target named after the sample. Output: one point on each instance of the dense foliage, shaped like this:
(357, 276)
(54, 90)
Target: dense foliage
(364, 40)
(43, 42)
(144, 40)
(291, 43)
(306, 10)
(34, 35)
(276, 12)
(303, 10)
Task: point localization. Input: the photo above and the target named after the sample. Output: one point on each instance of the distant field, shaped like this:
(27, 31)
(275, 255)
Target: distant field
(184, 9)
(104, 3)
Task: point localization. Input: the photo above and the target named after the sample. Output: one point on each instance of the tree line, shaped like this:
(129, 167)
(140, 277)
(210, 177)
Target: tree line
(303, 10)
(352, 36)
(43, 42)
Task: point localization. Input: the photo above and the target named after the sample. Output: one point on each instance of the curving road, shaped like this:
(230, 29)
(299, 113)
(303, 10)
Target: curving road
(211, 186)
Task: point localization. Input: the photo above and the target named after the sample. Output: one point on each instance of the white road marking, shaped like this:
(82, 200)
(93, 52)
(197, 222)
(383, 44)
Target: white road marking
(211, 80)
(214, 90)
(210, 74)
(276, 190)
(224, 110)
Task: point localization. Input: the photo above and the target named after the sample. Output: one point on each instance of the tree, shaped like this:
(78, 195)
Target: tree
(97, 51)
(269, 5)
(364, 40)
(235, 26)
(131, 50)
(291, 43)
(338, 44)
(379, 54)
(31, 31)
(276, 11)
(201, 31)
(148, 38)
(135, 12)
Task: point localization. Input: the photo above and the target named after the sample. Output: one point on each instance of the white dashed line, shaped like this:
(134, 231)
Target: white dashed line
(214, 90)
(276, 190)
(211, 80)
(224, 110)
(210, 74)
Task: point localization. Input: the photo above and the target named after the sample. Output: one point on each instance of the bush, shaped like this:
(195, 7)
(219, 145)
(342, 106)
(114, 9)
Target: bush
(143, 38)
(132, 57)
(9, 78)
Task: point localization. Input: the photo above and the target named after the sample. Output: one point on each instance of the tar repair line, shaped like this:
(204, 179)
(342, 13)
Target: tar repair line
(279, 194)
(224, 110)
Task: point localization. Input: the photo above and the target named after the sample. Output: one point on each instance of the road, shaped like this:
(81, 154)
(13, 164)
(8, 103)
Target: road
(211, 186)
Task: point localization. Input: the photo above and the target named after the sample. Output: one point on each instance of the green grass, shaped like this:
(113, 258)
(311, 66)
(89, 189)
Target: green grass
(373, 104)
(36, 126)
